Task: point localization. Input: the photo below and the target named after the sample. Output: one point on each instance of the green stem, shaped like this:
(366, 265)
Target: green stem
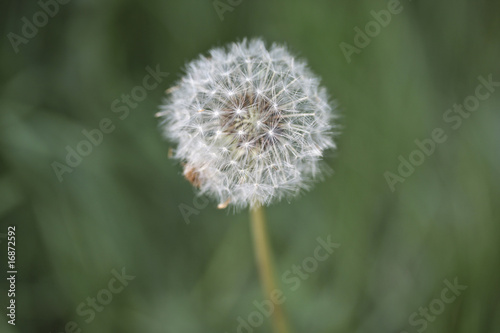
(265, 266)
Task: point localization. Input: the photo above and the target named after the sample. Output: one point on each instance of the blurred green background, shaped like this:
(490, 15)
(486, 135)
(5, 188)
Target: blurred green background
(120, 207)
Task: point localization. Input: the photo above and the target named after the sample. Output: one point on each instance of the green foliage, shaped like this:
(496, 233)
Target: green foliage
(123, 204)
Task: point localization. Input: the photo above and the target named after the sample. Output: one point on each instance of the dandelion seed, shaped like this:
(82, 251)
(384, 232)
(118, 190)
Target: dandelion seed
(224, 204)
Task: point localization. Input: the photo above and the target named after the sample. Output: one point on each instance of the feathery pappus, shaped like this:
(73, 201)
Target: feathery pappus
(251, 124)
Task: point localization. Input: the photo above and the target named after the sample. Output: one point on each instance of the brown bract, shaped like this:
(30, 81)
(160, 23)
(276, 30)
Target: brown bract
(192, 175)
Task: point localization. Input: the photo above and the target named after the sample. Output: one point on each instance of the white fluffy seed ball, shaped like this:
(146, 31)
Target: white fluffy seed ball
(251, 124)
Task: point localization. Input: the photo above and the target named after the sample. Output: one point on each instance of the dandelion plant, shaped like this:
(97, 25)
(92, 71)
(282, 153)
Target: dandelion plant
(251, 124)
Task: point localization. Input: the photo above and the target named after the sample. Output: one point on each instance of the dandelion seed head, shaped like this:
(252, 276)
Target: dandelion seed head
(251, 124)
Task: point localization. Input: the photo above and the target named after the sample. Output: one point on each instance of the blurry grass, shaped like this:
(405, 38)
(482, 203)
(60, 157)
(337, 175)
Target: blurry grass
(119, 208)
